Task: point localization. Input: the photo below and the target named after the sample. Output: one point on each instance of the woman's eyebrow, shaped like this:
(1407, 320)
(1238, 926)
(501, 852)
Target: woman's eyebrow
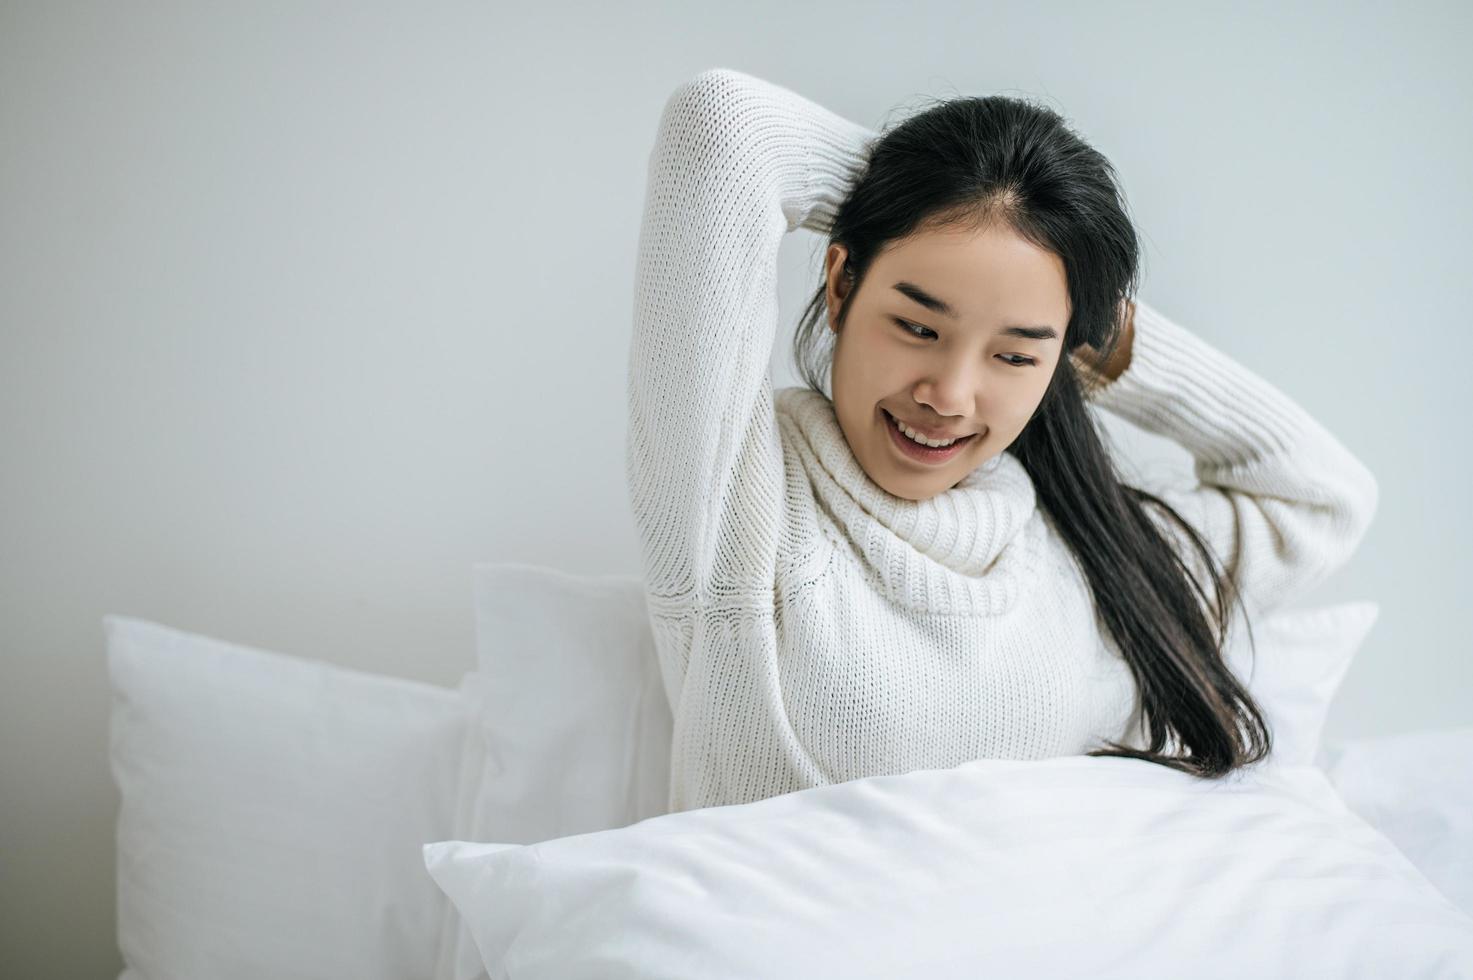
(932, 303)
(938, 305)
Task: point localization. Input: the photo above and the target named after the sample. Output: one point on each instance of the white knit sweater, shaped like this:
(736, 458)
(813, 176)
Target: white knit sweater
(813, 628)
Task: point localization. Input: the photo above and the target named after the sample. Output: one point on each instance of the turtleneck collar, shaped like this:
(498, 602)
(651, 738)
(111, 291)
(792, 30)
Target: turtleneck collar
(968, 550)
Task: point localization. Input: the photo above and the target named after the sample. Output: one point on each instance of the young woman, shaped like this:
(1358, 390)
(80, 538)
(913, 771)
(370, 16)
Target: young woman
(937, 562)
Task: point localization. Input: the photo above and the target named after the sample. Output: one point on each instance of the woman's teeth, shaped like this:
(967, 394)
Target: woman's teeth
(915, 437)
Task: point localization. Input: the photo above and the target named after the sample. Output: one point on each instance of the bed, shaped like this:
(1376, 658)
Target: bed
(285, 817)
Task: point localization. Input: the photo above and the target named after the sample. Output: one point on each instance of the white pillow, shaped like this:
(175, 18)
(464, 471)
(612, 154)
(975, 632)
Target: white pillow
(578, 721)
(1300, 660)
(577, 716)
(1064, 867)
(274, 810)
(574, 715)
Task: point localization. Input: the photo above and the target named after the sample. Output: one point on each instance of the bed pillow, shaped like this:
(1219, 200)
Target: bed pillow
(274, 810)
(1300, 660)
(1063, 867)
(577, 716)
(574, 718)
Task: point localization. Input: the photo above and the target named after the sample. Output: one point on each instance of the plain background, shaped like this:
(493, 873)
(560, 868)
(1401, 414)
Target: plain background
(307, 308)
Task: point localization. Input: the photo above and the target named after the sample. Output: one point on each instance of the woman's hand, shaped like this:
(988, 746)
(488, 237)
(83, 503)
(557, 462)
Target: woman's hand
(1120, 360)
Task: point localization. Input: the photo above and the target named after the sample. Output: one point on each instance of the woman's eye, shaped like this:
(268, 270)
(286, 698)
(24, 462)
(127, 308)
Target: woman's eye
(908, 327)
(911, 329)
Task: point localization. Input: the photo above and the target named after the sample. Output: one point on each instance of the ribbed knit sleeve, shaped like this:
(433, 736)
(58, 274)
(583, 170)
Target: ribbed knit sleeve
(1281, 501)
(737, 163)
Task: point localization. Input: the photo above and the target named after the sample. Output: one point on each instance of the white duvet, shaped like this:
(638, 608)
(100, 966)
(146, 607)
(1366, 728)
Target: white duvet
(1066, 867)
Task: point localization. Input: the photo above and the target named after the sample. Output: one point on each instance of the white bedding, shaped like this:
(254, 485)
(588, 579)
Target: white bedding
(358, 772)
(1417, 789)
(1062, 867)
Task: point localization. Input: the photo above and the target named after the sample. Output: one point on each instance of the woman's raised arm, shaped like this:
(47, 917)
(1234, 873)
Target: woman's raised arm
(737, 163)
(1281, 501)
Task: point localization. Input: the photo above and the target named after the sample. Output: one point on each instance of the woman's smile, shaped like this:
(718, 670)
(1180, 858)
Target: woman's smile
(921, 453)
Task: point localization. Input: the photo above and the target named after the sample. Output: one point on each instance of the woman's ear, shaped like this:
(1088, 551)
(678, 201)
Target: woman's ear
(838, 280)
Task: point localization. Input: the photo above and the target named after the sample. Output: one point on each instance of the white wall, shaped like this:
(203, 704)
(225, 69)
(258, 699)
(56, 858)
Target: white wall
(289, 291)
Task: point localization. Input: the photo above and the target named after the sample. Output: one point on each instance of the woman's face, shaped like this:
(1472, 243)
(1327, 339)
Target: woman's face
(928, 341)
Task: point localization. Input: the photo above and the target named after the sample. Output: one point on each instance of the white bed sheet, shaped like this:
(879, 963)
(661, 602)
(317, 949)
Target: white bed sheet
(1417, 789)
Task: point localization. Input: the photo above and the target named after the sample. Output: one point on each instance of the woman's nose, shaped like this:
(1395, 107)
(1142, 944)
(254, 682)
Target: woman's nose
(953, 389)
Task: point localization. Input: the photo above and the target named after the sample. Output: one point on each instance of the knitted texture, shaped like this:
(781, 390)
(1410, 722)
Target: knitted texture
(811, 627)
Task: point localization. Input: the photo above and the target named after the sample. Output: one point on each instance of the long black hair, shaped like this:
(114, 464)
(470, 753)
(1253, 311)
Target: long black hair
(973, 161)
